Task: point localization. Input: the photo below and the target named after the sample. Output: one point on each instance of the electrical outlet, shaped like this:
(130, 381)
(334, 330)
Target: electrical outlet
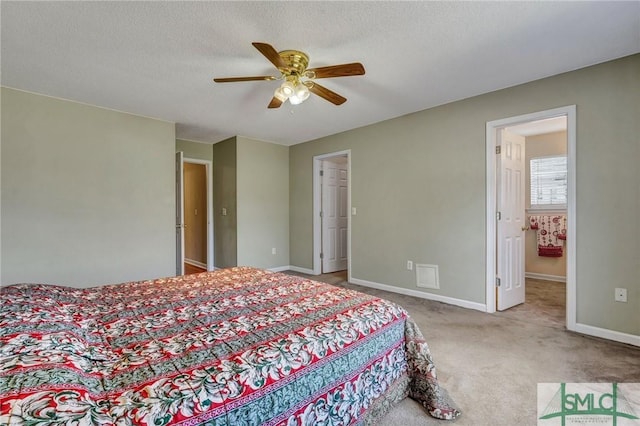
(621, 295)
(409, 265)
(274, 251)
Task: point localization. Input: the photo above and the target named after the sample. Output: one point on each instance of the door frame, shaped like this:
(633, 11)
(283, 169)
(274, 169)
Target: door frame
(209, 179)
(317, 206)
(490, 173)
(179, 222)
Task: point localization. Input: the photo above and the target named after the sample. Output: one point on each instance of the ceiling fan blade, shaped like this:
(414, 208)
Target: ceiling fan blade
(275, 103)
(270, 53)
(329, 95)
(234, 79)
(344, 70)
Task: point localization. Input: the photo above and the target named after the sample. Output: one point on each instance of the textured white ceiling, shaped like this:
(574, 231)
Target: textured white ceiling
(157, 59)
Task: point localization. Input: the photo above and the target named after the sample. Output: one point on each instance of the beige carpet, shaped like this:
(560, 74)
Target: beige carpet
(490, 364)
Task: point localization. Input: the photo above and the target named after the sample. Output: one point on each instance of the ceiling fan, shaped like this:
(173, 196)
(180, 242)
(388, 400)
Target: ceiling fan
(298, 80)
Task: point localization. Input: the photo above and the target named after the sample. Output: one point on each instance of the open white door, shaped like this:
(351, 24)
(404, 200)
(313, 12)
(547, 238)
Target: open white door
(334, 215)
(511, 220)
(179, 215)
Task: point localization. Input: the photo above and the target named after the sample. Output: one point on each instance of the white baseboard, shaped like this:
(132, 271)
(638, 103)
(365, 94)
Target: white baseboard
(301, 270)
(617, 336)
(604, 333)
(280, 268)
(421, 294)
(195, 263)
(546, 277)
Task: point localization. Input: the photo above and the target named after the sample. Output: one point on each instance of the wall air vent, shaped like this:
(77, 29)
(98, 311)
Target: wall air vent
(427, 276)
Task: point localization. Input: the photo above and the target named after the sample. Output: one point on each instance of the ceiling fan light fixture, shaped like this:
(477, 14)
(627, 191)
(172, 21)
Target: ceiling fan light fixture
(302, 92)
(295, 100)
(279, 94)
(287, 88)
(297, 80)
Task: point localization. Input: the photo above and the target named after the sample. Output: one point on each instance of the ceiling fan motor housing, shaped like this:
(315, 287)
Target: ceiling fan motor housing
(296, 62)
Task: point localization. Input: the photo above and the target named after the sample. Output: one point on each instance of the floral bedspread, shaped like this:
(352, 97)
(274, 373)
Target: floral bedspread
(238, 346)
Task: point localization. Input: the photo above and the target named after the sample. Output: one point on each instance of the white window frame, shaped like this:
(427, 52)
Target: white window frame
(533, 206)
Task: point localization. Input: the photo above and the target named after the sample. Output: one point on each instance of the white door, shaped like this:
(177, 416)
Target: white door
(511, 220)
(179, 215)
(334, 215)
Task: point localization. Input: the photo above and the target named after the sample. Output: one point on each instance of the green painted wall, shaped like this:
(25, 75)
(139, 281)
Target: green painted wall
(87, 193)
(195, 150)
(225, 197)
(251, 181)
(418, 183)
(263, 203)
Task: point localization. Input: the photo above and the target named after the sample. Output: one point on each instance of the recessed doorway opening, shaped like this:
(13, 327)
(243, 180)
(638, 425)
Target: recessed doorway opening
(332, 212)
(507, 223)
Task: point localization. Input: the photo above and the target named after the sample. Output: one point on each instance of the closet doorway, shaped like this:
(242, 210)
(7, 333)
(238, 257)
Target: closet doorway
(510, 243)
(194, 211)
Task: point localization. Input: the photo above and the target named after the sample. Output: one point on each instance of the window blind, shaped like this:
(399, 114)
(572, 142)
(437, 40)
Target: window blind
(549, 181)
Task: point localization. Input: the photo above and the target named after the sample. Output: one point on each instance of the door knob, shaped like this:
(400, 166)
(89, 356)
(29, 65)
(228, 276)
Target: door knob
(525, 228)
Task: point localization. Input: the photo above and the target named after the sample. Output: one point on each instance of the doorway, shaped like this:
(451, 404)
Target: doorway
(195, 215)
(194, 211)
(332, 213)
(500, 264)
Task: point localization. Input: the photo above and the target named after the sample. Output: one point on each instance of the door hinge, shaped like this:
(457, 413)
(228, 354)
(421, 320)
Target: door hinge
(321, 214)
(321, 255)
(321, 172)
(498, 149)
(497, 282)
(498, 215)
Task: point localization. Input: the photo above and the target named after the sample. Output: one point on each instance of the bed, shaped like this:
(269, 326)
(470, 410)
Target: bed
(236, 346)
